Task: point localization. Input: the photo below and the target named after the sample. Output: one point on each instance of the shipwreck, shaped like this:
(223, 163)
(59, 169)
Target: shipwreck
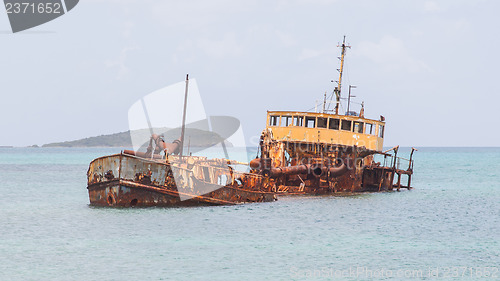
(300, 152)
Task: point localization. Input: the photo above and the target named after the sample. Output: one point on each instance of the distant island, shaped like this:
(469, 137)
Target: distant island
(193, 138)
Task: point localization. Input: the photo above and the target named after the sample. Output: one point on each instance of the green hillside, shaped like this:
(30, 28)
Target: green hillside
(195, 137)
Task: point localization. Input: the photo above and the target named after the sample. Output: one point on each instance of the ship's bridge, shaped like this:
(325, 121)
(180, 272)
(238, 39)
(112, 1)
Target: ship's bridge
(326, 128)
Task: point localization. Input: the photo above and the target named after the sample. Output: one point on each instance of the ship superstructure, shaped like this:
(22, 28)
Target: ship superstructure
(328, 152)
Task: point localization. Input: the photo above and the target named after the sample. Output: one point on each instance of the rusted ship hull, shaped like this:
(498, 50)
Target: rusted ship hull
(121, 193)
(316, 168)
(123, 180)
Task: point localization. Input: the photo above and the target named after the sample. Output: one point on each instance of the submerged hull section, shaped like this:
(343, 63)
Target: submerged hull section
(127, 181)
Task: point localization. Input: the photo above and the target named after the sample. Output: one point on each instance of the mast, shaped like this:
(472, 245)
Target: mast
(183, 128)
(338, 89)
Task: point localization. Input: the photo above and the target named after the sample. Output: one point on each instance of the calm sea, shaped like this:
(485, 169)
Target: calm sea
(449, 225)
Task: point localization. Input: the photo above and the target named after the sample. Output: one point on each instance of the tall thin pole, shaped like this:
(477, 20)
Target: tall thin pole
(338, 89)
(183, 128)
(324, 103)
(349, 98)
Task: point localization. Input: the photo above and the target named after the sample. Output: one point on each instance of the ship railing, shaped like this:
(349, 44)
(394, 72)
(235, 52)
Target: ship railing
(398, 163)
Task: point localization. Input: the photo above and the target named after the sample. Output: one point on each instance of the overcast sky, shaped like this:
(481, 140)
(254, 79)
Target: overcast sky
(430, 67)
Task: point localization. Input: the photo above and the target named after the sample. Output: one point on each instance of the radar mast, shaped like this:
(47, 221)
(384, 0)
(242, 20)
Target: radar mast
(338, 89)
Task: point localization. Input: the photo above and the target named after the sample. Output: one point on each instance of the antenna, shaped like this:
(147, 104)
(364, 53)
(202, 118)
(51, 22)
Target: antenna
(324, 103)
(338, 89)
(349, 98)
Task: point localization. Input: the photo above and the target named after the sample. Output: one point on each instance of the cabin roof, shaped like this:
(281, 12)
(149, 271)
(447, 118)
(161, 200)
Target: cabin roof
(328, 115)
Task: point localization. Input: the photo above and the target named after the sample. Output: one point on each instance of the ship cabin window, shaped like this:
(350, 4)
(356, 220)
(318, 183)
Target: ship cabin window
(358, 127)
(286, 121)
(222, 180)
(273, 120)
(206, 174)
(310, 122)
(380, 131)
(322, 122)
(298, 121)
(334, 124)
(346, 125)
(369, 129)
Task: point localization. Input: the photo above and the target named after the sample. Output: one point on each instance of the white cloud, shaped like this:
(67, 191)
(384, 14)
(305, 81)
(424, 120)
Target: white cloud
(308, 53)
(431, 6)
(391, 54)
(316, 2)
(294, 3)
(226, 47)
(198, 13)
(286, 39)
(120, 62)
(127, 27)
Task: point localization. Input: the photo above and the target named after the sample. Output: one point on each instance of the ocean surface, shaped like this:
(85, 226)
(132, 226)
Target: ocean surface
(448, 225)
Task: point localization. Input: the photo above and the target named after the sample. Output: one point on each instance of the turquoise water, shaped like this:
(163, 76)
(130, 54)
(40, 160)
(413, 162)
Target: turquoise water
(450, 221)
